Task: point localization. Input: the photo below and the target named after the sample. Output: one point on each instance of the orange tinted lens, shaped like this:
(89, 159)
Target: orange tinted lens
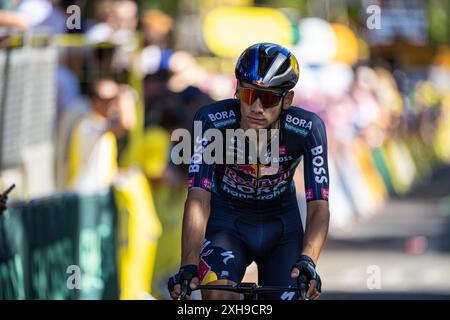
(247, 95)
(268, 100)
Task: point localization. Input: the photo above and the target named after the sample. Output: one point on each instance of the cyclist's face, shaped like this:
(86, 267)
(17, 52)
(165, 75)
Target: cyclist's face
(260, 108)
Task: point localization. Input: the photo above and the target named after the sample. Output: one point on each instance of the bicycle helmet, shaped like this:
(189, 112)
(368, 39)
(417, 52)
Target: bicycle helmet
(268, 65)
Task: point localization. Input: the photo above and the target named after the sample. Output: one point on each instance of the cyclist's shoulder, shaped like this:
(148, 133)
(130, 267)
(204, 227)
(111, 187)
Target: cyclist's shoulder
(299, 117)
(218, 110)
(303, 113)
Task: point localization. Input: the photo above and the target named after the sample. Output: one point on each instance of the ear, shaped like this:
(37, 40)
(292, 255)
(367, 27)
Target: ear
(288, 100)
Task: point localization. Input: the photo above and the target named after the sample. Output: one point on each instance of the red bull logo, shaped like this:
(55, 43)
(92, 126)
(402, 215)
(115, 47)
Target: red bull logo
(252, 169)
(247, 168)
(203, 269)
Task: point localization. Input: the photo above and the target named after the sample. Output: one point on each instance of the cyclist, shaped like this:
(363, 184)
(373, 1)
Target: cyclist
(239, 213)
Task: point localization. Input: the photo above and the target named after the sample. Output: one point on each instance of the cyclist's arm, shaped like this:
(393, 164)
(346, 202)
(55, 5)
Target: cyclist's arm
(197, 206)
(196, 214)
(316, 190)
(316, 228)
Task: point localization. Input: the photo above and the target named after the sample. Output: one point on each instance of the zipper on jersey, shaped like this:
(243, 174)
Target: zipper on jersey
(257, 177)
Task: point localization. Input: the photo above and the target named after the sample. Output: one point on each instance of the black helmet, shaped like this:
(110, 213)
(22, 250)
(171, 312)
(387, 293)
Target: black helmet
(268, 65)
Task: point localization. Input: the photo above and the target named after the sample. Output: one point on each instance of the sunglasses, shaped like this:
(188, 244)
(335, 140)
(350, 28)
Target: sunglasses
(268, 99)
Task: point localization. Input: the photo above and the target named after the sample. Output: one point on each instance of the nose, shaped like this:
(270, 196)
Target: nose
(257, 106)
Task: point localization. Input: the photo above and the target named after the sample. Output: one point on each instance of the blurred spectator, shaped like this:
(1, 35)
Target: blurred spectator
(11, 19)
(126, 12)
(43, 15)
(68, 84)
(439, 72)
(71, 107)
(93, 145)
(106, 22)
(362, 93)
(116, 22)
(156, 27)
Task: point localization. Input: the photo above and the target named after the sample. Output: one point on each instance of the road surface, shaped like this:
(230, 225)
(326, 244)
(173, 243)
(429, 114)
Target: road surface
(406, 246)
(402, 252)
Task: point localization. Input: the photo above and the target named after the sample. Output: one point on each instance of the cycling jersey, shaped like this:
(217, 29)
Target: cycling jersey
(302, 134)
(254, 213)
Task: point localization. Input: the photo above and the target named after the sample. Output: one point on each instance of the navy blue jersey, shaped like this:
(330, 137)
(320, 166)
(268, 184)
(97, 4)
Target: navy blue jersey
(302, 134)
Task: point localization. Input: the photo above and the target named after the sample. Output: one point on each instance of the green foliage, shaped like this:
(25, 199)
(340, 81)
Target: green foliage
(167, 6)
(439, 21)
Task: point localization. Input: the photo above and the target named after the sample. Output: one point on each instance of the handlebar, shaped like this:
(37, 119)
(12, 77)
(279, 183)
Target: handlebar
(250, 290)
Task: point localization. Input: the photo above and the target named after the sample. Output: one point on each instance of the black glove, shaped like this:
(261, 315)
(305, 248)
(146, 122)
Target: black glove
(184, 275)
(307, 267)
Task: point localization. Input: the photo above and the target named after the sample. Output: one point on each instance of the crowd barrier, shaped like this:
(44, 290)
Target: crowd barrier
(61, 247)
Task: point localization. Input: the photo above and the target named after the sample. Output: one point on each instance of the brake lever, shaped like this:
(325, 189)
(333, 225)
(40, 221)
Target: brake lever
(184, 289)
(303, 285)
(187, 276)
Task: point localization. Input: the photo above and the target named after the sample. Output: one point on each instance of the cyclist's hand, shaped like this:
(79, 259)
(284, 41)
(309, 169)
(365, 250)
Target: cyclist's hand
(305, 266)
(187, 274)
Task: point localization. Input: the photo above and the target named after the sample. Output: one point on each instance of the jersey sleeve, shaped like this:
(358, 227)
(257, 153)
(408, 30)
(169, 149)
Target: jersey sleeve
(316, 163)
(200, 173)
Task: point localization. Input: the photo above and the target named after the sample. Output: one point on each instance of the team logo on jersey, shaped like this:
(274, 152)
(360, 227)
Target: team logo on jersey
(227, 255)
(318, 160)
(224, 123)
(268, 170)
(247, 168)
(223, 118)
(306, 124)
(221, 115)
(206, 253)
(206, 184)
(325, 193)
(309, 194)
(204, 269)
(252, 169)
(297, 125)
(205, 272)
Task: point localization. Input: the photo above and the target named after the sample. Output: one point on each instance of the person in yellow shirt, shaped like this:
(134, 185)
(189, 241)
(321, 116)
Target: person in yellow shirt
(93, 144)
(93, 167)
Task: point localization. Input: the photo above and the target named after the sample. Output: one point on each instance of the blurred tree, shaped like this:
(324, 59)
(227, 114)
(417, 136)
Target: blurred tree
(299, 6)
(168, 6)
(439, 21)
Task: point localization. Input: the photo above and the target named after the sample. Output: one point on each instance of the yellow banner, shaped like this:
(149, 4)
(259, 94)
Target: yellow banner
(228, 31)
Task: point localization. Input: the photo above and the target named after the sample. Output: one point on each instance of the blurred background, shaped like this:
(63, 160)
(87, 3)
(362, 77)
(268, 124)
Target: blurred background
(90, 92)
